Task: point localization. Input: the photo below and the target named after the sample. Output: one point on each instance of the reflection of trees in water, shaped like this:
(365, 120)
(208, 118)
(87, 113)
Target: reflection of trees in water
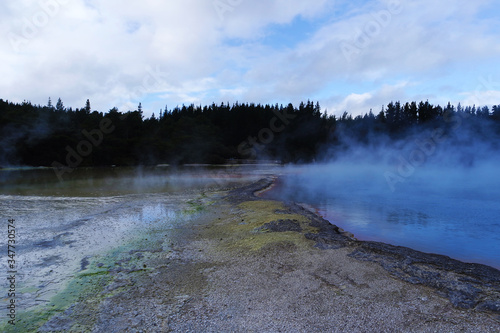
(112, 181)
(407, 217)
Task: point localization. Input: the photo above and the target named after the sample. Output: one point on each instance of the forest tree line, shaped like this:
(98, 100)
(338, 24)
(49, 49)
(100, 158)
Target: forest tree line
(34, 135)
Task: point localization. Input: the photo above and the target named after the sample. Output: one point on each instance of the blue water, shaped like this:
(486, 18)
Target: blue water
(450, 212)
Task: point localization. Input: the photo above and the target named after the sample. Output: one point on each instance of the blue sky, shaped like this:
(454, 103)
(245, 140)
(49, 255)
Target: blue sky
(348, 55)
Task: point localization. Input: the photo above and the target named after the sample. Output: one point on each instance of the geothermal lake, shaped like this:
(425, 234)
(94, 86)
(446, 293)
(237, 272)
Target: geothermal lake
(61, 225)
(450, 211)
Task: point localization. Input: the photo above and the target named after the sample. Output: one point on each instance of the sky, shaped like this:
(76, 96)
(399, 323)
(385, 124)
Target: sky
(349, 55)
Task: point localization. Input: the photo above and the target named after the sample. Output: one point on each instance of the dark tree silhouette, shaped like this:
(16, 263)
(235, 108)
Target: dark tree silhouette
(87, 106)
(59, 105)
(40, 135)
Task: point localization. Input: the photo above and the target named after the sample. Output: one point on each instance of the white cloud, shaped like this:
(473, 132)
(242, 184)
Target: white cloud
(354, 103)
(249, 19)
(362, 103)
(105, 50)
(482, 98)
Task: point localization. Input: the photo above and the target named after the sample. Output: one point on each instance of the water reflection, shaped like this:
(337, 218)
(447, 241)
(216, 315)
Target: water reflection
(458, 217)
(104, 182)
(407, 217)
(62, 224)
(156, 212)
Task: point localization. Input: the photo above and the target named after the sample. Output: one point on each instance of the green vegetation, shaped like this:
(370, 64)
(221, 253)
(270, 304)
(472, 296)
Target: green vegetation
(65, 138)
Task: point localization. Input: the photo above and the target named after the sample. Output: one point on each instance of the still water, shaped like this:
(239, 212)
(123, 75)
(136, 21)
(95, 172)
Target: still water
(450, 212)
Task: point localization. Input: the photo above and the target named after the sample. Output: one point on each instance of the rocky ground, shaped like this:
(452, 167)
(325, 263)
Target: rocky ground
(246, 264)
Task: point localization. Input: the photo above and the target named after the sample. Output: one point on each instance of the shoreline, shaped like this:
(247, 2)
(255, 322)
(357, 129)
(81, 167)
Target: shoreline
(371, 235)
(365, 238)
(414, 266)
(243, 263)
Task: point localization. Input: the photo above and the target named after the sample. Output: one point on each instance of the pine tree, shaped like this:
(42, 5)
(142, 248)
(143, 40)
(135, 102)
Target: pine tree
(484, 112)
(59, 105)
(390, 113)
(449, 108)
(496, 112)
(87, 106)
(317, 109)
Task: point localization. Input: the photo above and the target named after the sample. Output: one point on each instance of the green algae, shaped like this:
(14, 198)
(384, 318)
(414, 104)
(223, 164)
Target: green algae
(81, 287)
(194, 207)
(88, 286)
(248, 231)
(268, 239)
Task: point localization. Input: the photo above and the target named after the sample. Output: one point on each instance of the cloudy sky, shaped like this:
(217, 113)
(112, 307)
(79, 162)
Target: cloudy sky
(349, 55)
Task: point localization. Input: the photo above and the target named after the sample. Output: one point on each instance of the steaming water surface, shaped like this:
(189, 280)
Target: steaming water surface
(455, 212)
(59, 224)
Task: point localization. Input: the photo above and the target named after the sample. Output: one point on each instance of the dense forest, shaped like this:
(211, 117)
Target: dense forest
(34, 135)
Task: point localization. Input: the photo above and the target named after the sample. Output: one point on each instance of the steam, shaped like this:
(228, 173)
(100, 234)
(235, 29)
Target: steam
(103, 182)
(435, 190)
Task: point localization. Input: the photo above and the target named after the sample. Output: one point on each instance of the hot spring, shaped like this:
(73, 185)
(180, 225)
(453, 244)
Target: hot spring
(449, 211)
